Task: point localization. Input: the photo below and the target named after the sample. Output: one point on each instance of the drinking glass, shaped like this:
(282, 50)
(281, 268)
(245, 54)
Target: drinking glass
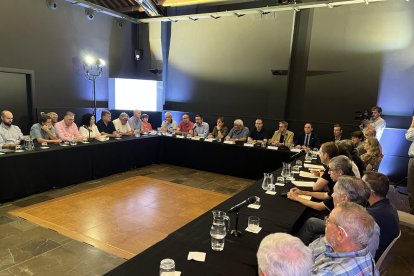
(280, 179)
(253, 223)
(295, 169)
(167, 265)
(299, 163)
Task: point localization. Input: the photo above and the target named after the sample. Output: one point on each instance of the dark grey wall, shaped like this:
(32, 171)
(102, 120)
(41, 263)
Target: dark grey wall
(224, 66)
(344, 59)
(52, 43)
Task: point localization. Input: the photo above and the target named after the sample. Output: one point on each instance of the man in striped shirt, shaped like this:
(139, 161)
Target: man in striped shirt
(343, 250)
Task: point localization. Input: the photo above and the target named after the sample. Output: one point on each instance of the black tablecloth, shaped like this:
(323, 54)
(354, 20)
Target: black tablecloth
(235, 160)
(31, 172)
(36, 171)
(277, 214)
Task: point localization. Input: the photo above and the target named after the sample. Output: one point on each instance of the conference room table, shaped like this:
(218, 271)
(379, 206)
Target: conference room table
(29, 172)
(277, 214)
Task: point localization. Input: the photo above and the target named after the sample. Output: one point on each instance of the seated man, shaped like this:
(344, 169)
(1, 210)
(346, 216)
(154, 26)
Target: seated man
(258, 134)
(343, 250)
(357, 138)
(346, 189)
(168, 125)
(308, 139)
(67, 129)
(122, 126)
(201, 128)
(282, 137)
(283, 254)
(105, 125)
(44, 131)
(381, 210)
(54, 117)
(238, 133)
(337, 131)
(10, 135)
(374, 123)
(135, 121)
(185, 126)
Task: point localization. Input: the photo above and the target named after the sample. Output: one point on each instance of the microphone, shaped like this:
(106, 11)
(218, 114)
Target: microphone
(194, 127)
(297, 155)
(246, 202)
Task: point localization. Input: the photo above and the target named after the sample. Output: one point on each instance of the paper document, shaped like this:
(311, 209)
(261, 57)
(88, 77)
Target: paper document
(307, 174)
(305, 197)
(255, 231)
(296, 150)
(248, 145)
(196, 256)
(303, 183)
(312, 166)
(272, 147)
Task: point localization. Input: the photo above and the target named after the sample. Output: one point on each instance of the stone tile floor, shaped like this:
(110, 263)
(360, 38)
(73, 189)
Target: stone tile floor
(28, 249)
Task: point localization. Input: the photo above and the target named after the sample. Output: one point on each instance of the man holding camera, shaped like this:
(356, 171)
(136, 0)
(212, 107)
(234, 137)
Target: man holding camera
(375, 123)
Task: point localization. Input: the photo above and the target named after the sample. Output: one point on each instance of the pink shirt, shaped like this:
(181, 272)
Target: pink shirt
(67, 132)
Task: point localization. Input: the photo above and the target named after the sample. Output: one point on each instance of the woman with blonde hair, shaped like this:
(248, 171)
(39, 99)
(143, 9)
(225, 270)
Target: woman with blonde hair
(372, 158)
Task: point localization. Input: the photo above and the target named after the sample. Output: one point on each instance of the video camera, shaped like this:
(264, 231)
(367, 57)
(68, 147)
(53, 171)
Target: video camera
(363, 115)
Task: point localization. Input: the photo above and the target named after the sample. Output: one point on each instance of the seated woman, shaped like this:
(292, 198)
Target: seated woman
(372, 158)
(146, 126)
(220, 130)
(88, 128)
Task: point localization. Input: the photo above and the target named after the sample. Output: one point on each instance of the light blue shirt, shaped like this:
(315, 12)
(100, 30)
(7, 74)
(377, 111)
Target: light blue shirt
(10, 135)
(243, 133)
(201, 130)
(37, 132)
(135, 124)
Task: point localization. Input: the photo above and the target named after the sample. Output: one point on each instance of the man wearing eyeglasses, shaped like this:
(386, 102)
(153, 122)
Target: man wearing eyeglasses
(344, 249)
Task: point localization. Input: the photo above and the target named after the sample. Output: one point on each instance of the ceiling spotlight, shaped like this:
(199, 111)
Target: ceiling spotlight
(90, 14)
(172, 20)
(149, 7)
(51, 4)
(214, 16)
(139, 54)
(239, 14)
(193, 18)
(330, 5)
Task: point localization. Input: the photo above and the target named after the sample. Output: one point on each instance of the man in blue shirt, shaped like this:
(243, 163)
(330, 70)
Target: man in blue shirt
(200, 128)
(238, 133)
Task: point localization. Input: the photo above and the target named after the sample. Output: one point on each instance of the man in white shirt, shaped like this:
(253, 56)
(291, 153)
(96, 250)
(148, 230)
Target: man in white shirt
(122, 126)
(10, 135)
(409, 135)
(375, 123)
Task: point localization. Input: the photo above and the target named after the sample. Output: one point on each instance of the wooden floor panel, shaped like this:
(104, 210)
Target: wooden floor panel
(123, 218)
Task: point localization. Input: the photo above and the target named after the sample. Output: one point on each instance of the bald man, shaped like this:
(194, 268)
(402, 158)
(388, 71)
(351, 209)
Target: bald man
(10, 135)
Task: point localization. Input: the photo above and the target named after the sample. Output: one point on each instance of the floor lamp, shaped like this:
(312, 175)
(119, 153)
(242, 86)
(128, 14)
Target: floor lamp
(93, 70)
